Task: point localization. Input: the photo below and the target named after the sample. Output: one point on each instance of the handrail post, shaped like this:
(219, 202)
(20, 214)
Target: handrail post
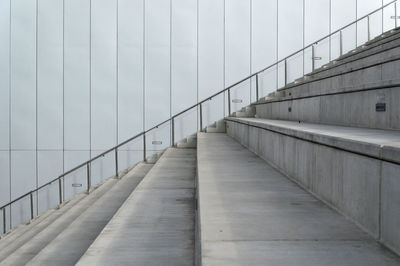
(286, 73)
(229, 102)
(341, 43)
(116, 162)
(59, 191)
(172, 132)
(257, 92)
(201, 117)
(144, 147)
(369, 29)
(88, 176)
(4, 221)
(31, 199)
(313, 58)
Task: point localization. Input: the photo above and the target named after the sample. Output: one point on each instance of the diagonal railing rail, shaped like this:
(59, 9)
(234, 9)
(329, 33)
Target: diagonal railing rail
(199, 107)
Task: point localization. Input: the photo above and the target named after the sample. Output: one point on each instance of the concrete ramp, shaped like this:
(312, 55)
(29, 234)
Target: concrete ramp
(155, 226)
(250, 214)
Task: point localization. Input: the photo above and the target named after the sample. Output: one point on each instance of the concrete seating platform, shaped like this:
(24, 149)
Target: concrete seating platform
(155, 226)
(376, 143)
(250, 214)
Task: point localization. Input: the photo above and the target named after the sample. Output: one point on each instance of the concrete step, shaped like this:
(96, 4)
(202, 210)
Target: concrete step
(372, 64)
(248, 111)
(354, 170)
(372, 46)
(31, 248)
(250, 214)
(218, 127)
(188, 143)
(152, 159)
(382, 49)
(155, 226)
(69, 246)
(24, 233)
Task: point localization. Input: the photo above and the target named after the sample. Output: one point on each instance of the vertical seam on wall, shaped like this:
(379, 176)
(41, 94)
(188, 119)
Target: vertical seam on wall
(117, 73)
(9, 112)
(36, 99)
(197, 63)
(277, 44)
(90, 79)
(170, 70)
(330, 30)
(304, 34)
(144, 65)
(63, 93)
(382, 17)
(356, 23)
(251, 47)
(224, 56)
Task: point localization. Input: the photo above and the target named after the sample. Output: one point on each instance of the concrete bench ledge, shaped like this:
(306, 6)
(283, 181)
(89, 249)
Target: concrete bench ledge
(379, 144)
(250, 214)
(310, 93)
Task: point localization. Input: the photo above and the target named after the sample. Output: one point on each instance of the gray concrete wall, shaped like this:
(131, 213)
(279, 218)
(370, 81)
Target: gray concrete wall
(345, 93)
(357, 109)
(365, 190)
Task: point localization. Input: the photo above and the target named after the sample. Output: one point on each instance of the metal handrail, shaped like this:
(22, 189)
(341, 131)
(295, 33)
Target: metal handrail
(199, 104)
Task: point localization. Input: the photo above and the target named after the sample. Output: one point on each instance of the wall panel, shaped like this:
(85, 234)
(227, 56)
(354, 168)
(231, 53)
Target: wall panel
(77, 75)
(23, 74)
(104, 75)
(184, 54)
(50, 74)
(157, 57)
(130, 69)
(4, 74)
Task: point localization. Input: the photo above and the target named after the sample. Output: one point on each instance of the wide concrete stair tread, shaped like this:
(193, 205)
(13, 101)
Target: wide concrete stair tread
(72, 243)
(63, 240)
(250, 214)
(155, 226)
(377, 143)
(24, 233)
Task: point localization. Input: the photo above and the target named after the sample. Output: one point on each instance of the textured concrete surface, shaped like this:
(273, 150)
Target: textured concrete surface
(68, 247)
(24, 233)
(362, 188)
(155, 226)
(32, 247)
(250, 214)
(382, 144)
(356, 109)
(346, 92)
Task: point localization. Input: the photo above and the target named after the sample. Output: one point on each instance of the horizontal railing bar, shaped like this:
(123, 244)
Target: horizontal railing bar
(194, 106)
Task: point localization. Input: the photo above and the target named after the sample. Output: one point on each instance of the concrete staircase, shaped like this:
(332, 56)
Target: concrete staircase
(336, 133)
(62, 235)
(313, 178)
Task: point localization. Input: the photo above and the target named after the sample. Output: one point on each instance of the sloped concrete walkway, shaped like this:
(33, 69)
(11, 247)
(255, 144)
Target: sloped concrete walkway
(155, 226)
(250, 214)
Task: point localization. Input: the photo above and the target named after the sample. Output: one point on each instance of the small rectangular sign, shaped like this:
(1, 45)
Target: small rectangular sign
(76, 185)
(393, 17)
(317, 58)
(380, 107)
(157, 142)
(237, 101)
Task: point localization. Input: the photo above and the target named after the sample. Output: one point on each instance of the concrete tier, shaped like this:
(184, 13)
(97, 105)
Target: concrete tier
(354, 170)
(155, 226)
(250, 214)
